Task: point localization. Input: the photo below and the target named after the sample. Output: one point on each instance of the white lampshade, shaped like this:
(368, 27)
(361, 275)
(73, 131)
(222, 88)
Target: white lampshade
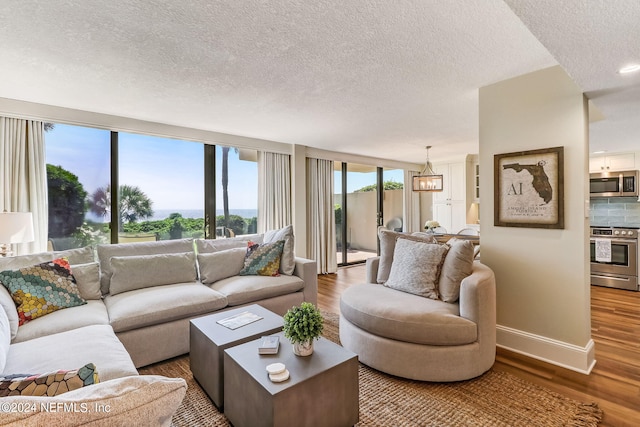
(16, 227)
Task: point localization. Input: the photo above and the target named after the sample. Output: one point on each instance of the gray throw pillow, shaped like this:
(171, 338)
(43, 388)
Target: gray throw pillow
(220, 265)
(205, 246)
(73, 256)
(388, 240)
(457, 265)
(416, 267)
(144, 271)
(88, 280)
(10, 308)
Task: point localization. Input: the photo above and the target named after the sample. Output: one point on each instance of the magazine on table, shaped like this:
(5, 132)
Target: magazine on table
(238, 320)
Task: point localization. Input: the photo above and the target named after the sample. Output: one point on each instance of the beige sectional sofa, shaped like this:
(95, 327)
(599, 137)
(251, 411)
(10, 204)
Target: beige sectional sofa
(140, 298)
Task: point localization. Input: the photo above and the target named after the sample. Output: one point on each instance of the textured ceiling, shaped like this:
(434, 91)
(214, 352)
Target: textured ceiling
(376, 78)
(592, 40)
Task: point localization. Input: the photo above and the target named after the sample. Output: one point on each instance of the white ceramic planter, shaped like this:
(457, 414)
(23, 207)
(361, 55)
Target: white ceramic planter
(303, 349)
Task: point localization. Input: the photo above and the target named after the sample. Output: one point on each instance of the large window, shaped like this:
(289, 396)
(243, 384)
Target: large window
(236, 191)
(161, 188)
(77, 166)
(160, 185)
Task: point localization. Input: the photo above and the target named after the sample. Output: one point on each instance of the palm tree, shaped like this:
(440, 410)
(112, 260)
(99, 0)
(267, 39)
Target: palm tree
(225, 185)
(134, 203)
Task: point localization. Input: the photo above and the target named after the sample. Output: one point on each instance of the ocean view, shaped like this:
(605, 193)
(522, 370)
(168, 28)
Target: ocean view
(159, 214)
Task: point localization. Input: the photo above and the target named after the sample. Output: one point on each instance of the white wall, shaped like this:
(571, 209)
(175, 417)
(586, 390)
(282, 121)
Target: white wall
(361, 216)
(543, 290)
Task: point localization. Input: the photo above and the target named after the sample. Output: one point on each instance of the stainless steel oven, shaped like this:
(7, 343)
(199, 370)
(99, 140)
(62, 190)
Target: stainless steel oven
(614, 257)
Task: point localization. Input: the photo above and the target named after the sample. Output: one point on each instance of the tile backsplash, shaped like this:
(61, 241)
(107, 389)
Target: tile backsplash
(615, 212)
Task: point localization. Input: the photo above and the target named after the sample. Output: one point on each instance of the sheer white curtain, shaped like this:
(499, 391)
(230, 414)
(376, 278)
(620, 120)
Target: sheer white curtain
(23, 177)
(321, 223)
(274, 191)
(411, 208)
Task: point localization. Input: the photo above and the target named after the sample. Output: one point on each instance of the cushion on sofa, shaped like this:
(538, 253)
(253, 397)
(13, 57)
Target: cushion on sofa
(5, 338)
(67, 350)
(161, 304)
(42, 289)
(10, 309)
(262, 260)
(146, 400)
(245, 289)
(49, 384)
(88, 279)
(93, 312)
(129, 273)
(74, 256)
(106, 252)
(287, 260)
(205, 246)
(219, 265)
(457, 265)
(388, 240)
(405, 317)
(416, 267)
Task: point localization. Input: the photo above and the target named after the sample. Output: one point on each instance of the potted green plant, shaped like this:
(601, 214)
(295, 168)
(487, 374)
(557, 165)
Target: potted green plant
(302, 325)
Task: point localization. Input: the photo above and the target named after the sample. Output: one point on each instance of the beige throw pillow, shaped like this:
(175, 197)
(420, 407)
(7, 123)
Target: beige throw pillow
(457, 265)
(416, 267)
(205, 246)
(144, 271)
(88, 280)
(73, 256)
(11, 311)
(220, 265)
(388, 240)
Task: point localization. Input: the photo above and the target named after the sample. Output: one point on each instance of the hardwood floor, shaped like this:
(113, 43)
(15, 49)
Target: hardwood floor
(614, 383)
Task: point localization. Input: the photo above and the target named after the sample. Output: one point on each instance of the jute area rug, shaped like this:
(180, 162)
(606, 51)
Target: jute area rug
(493, 399)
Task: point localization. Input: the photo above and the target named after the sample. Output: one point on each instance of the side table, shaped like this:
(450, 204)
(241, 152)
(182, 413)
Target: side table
(322, 389)
(208, 340)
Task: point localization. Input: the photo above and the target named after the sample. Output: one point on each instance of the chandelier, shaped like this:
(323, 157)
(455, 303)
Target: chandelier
(428, 180)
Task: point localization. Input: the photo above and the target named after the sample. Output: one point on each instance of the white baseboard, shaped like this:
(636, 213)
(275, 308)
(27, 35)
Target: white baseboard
(569, 356)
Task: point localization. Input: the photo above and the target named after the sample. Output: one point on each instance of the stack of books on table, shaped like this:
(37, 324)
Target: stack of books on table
(269, 345)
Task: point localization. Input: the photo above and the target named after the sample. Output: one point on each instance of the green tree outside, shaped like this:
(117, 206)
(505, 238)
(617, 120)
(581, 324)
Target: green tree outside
(387, 185)
(134, 204)
(66, 197)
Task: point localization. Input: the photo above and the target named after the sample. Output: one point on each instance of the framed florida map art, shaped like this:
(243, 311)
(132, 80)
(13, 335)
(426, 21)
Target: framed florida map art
(529, 188)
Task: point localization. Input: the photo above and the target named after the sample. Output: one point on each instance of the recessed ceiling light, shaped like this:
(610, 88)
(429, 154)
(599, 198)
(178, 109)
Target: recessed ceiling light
(599, 152)
(629, 69)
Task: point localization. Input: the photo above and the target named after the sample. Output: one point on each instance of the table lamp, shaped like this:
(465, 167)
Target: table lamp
(15, 227)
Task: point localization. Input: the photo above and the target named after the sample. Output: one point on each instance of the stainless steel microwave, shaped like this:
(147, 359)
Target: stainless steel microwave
(614, 184)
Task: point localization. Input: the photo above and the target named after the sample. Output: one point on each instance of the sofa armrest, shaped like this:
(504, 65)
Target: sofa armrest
(306, 270)
(372, 269)
(478, 302)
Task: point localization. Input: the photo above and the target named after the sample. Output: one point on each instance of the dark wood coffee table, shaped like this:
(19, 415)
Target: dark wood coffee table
(209, 339)
(322, 389)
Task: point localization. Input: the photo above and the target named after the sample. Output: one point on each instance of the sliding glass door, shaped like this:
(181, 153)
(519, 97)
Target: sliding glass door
(363, 195)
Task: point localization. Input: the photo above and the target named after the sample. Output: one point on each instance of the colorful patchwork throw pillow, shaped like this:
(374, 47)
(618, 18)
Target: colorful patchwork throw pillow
(51, 384)
(262, 260)
(42, 289)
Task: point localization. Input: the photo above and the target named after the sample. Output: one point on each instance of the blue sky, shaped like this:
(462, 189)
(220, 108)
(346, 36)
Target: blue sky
(170, 172)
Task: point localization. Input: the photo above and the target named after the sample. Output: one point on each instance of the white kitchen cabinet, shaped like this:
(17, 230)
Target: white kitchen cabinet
(449, 205)
(613, 162)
